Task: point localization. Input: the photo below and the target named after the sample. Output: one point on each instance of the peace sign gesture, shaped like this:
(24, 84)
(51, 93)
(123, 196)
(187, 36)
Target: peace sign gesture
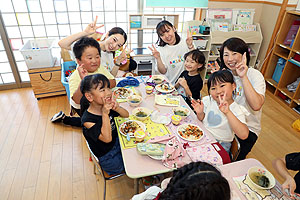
(242, 68)
(92, 27)
(154, 51)
(123, 55)
(189, 40)
(223, 104)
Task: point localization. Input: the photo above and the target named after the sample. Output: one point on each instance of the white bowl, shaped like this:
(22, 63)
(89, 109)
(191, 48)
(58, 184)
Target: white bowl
(180, 110)
(255, 172)
(158, 79)
(134, 100)
(144, 110)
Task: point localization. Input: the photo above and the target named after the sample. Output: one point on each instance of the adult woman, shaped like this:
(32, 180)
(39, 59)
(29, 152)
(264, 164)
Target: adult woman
(250, 87)
(169, 55)
(113, 40)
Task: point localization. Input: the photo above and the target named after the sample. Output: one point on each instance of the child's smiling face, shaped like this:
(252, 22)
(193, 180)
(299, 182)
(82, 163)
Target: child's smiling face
(191, 65)
(220, 89)
(101, 94)
(90, 59)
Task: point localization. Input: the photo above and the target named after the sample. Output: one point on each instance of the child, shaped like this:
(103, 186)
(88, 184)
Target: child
(113, 40)
(87, 53)
(169, 55)
(190, 82)
(98, 110)
(251, 88)
(292, 162)
(220, 114)
(198, 180)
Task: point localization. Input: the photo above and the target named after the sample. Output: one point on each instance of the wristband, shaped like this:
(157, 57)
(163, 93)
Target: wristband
(119, 65)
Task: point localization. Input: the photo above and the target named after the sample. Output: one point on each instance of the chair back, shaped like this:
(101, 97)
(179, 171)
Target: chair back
(235, 149)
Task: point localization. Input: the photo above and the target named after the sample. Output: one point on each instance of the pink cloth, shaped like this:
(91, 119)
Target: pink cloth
(205, 153)
(174, 151)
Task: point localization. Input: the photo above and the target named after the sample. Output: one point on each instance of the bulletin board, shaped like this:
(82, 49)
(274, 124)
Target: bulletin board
(177, 3)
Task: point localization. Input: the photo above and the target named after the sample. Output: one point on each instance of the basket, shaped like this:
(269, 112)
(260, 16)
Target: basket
(70, 65)
(38, 53)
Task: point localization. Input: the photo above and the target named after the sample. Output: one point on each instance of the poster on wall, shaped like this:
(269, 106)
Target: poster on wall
(176, 3)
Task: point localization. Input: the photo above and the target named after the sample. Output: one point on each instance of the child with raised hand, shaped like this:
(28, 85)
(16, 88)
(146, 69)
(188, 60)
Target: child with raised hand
(194, 181)
(250, 84)
(169, 54)
(113, 40)
(98, 110)
(220, 114)
(190, 83)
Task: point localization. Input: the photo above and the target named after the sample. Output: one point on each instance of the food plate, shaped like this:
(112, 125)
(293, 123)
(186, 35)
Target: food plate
(122, 93)
(165, 88)
(156, 157)
(131, 126)
(190, 132)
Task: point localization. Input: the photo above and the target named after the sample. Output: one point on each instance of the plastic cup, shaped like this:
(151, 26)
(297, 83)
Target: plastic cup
(149, 89)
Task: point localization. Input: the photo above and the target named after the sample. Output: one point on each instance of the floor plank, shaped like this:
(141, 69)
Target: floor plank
(42, 160)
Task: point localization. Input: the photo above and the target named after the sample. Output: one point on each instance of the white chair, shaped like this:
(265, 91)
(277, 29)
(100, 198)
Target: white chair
(98, 167)
(235, 149)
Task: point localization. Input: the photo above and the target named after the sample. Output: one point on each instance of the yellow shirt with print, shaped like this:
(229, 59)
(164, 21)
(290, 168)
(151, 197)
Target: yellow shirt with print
(75, 79)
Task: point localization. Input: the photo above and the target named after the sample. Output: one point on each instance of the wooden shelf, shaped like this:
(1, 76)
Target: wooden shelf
(272, 82)
(291, 69)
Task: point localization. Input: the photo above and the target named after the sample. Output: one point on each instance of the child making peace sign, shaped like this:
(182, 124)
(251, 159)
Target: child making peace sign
(219, 113)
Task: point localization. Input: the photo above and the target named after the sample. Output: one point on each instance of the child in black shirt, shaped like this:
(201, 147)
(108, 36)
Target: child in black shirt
(98, 110)
(190, 83)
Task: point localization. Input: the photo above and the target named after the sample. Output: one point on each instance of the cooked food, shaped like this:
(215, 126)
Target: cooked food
(260, 179)
(190, 132)
(122, 93)
(180, 113)
(129, 127)
(141, 114)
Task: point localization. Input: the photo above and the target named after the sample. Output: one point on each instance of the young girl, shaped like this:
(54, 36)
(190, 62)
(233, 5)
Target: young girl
(251, 88)
(220, 114)
(196, 180)
(190, 82)
(98, 110)
(113, 40)
(169, 55)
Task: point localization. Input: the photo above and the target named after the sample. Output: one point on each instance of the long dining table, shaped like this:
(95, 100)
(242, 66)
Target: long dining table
(138, 166)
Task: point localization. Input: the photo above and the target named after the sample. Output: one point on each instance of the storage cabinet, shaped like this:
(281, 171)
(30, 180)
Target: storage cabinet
(291, 69)
(216, 38)
(46, 82)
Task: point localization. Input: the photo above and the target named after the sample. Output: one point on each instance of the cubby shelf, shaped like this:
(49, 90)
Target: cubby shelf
(291, 70)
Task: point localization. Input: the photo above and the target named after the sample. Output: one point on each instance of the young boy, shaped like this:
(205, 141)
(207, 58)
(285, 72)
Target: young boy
(292, 162)
(87, 54)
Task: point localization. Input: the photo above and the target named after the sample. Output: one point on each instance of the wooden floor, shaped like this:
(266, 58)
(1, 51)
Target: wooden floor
(42, 160)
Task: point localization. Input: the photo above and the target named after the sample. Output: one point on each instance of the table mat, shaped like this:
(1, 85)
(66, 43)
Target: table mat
(251, 193)
(152, 128)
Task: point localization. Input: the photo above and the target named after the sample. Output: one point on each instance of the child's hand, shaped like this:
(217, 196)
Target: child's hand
(242, 67)
(289, 184)
(197, 105)
(182, 82)
(215, 68)
(82, 71)
(154, 51)
(123, 55)
(107, 106)
(189, 40)
(115, 104)
(223, 106)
